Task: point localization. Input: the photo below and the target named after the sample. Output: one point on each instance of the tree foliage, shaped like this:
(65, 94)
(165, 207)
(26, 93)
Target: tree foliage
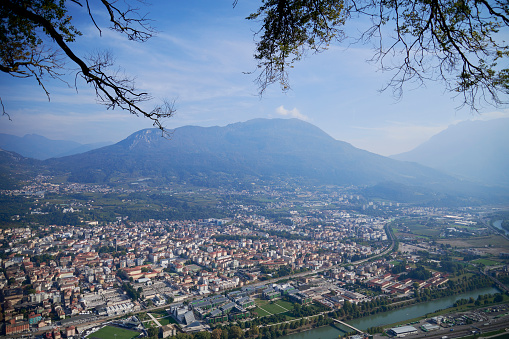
(419, 273)
(289, 28)
(459, 42)
(454, 41)
(36, 41)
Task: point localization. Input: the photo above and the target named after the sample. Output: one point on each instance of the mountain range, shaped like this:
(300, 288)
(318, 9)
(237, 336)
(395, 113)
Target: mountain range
(258, 148)
(473, 150)
(38, 147)
(266, 149)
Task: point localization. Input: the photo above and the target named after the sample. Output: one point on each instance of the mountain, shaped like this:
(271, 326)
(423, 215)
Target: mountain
(262, 148)
(14, 168)
(474, 150)
(82, 149)
(38, 147)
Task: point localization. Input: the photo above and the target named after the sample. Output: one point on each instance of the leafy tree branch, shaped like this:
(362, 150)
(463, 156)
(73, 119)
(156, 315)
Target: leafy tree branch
(457, 42)
(24, 54)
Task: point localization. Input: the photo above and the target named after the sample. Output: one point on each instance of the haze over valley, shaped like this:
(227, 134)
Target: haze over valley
(254, 170)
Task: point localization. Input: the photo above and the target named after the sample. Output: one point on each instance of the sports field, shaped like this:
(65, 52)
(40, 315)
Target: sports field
(265, 308)
(110, 332)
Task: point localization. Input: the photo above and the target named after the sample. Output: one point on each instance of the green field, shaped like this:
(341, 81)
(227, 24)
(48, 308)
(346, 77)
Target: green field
(278, 306)
(286, 304)
(110, 332)
(274, 308)
(166, 320)
(159, 313)
(428, 232)
(486, 262)
(261, 312)
(418, 228)
(495, 241)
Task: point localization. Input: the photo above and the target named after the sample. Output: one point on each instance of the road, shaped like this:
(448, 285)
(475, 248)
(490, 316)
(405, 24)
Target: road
(354, 263)
(466, 330)
(292, 276)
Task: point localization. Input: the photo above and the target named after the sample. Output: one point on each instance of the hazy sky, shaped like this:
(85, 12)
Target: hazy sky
(200, 58)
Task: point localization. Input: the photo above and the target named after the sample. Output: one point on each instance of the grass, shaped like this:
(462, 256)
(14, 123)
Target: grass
(266, 307)
(109, 332)
(160, 313)
(493, 240)
(486, 262)
(432, 233)
(166, 321)
(194, 267)
(261, 302)
(286, 304)
(261, 312)
(274, 308)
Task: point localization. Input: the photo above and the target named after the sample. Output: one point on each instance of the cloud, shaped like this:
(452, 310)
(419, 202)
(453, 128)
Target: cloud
(493, 115)
(293, 113)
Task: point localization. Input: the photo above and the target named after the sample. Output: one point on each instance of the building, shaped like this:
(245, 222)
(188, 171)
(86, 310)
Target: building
(167, 331)
(402, 331)
(270, 293)
(70, 331)
(34, 318)
(429, 327)
(246, 302)
(14, 326)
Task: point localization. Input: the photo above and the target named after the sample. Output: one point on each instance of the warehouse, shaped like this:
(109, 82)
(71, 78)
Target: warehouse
(429, 327)
(402, 331)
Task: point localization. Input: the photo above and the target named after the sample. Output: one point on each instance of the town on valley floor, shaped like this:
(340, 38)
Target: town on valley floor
(89, 260)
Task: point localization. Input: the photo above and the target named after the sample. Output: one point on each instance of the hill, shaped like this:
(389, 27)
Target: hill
(15, 168)
(38, 147)
(262, 148)
(474, 150)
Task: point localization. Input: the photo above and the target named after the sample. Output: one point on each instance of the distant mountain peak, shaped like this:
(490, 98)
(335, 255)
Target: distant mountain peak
(264, 148)
(475, 150)
(144, 137)
(36, 146)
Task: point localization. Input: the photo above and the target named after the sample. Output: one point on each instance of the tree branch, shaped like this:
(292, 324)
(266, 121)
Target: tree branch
(112, 90)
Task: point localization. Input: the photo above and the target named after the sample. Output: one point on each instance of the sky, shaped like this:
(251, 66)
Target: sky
(202, 60)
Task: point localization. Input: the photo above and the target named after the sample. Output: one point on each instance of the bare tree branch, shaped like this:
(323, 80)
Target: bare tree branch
(451, 41)
(113, 89)
(3, 110)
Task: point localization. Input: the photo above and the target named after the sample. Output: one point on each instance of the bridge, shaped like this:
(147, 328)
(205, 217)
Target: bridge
(349, 326)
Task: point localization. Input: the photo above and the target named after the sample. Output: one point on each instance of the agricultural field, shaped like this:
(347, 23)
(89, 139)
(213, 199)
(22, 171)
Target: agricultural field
(486, 262)
(493, 244)
(110, 332)
(417, 228)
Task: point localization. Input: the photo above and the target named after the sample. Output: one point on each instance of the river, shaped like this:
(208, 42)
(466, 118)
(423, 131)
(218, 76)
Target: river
(498, 224)
(410, 312)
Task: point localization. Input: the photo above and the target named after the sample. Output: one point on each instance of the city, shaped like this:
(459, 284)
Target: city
(321, 260)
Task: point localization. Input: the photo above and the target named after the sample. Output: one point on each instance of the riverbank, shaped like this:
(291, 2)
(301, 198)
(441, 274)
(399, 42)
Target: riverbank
(403, 315)
(450, 310)
(497, 224)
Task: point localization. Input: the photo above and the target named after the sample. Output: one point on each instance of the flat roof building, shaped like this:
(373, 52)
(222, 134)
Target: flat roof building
(402, 331)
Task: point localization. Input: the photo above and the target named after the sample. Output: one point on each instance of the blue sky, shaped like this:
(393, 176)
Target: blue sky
(200, 58)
